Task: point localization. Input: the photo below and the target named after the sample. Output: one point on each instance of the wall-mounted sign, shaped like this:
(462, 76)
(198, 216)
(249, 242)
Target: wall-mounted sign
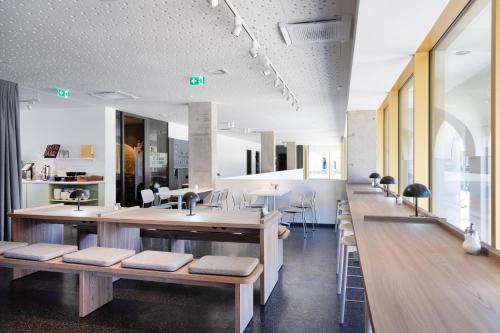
(196, 80)
(63, 93)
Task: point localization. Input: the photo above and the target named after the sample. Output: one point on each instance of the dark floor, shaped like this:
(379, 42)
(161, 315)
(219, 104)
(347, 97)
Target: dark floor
(304, 299)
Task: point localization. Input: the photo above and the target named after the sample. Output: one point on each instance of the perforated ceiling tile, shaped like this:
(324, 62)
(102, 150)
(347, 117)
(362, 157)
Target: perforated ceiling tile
(150, 48)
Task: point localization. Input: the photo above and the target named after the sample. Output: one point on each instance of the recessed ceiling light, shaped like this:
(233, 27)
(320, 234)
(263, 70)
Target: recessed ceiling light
(113, 95)
(213, 3)
(216, 71)
(463, 52)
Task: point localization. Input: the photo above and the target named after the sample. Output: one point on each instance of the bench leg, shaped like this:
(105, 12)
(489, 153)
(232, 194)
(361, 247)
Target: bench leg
(243, 306)
(95, 291)
(280, 253)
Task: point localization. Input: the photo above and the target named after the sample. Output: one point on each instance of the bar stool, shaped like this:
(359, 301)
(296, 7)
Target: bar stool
(349, 246)
(345, 229)
(340, 203)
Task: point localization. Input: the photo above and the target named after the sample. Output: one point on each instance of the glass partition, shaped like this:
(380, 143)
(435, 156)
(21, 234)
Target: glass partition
(386, 141)
(460, 121)
(406, 134)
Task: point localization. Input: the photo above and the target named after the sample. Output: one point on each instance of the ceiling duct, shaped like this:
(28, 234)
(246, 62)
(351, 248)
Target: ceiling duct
(325, 31)
(113, 95)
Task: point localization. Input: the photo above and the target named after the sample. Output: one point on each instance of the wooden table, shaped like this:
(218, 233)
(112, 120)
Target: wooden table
(270, 193)
(417, 276)
(121, 229)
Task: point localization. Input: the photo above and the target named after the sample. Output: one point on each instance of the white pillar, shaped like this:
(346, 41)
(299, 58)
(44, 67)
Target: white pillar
(202, 129)
(268, 152)
(291, 156)
(109, 156)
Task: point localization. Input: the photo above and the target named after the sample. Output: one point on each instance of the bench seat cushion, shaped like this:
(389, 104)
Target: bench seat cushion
(158, 261)
(222, 265)
(281, 229)
(40, 251)
(98, 256)
(4, 246)
(284, 235)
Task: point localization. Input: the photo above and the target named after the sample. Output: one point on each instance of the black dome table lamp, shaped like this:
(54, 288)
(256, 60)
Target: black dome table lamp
(374, 176)
(387, 180)
(78, 195)
(416, 191)
(191, 199)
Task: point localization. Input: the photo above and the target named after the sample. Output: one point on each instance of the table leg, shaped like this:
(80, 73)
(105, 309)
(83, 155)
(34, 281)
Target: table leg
(179, 202)
(274, 203)
(31, 231)
(117, 236)
(269, 259)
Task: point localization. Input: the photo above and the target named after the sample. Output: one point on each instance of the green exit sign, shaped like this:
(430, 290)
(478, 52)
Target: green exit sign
(196, 80)
(63, 93)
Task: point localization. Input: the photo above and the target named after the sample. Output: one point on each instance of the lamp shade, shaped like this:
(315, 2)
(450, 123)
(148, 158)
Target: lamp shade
(374, 175)
(190, 198)
(387, 180)
(416, 190)
(78, 194)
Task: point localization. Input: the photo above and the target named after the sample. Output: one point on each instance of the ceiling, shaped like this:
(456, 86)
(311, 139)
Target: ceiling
(150, 48)
(388, 32)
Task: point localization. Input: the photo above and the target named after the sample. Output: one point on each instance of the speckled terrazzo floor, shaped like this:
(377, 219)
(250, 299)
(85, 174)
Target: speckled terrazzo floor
(303, 301)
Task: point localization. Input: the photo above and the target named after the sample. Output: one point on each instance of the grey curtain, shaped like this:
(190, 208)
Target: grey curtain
(10, 155)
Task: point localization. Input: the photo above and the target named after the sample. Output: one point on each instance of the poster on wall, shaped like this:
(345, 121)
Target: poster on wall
(51, 151)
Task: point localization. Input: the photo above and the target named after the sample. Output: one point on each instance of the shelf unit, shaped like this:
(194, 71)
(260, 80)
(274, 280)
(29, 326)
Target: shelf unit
(96, 193)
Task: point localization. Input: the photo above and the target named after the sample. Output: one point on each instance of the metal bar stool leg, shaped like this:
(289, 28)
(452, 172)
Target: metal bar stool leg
(344, 283)
(304, 223)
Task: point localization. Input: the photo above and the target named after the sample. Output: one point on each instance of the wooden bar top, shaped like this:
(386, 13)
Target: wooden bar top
(417, 276)
(144, 217)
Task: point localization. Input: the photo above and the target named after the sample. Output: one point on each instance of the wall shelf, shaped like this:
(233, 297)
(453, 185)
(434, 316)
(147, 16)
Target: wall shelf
(71, 158)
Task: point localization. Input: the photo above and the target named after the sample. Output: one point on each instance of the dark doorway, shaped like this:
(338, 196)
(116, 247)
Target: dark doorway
(133, 155)
(249, 162)
(257, 162)
(281, 162)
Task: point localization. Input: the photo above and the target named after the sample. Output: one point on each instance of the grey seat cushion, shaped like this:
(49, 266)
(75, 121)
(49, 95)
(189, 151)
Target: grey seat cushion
(40, 251)
(158, 261)
(4, 246)
(222, 265)
(98, 256)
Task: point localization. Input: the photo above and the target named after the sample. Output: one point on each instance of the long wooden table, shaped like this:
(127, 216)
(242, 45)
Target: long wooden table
(121, 229)
(417, 276)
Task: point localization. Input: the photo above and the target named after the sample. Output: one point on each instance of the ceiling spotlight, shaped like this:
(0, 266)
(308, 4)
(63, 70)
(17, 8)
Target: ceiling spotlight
(254, 51)
(277, 81)
(267, 70)
(289, 96)
(213, 3)
(238, 26)
(293, 102)
(283, 91)
(297, 108)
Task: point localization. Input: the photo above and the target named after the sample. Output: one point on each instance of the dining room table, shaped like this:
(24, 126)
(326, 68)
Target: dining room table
(179, 193)
(270, 193)
(121, 228)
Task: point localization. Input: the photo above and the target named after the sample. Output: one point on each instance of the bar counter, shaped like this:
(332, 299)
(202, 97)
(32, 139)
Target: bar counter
(417, 276)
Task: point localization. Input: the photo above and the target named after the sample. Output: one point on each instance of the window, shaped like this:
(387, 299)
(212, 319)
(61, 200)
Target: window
(324, 162)
(386, 141)
(460, 121)
(406, 134)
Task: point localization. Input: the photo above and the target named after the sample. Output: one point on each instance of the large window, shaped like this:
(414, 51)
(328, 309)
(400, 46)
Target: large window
(460, 121)
(324, 162)
(406, 134)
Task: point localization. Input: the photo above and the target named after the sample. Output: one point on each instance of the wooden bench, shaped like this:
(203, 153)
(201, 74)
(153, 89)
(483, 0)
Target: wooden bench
(96, 283)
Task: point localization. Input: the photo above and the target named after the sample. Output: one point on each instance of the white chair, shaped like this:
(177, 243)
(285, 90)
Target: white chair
(213, 202)
(294, 211)
(163, 194)
(148, 198)
(251, 203)
(308, 202)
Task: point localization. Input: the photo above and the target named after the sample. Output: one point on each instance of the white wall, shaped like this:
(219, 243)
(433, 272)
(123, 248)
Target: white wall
(232, 155)
(327, 191)
(177, 131)
(70, 128)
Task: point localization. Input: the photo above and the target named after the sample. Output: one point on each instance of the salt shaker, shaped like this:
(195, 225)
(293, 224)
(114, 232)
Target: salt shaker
(472, 243)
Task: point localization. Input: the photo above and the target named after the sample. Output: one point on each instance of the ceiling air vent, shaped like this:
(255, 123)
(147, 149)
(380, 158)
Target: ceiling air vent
(335, 30)
(113, 95)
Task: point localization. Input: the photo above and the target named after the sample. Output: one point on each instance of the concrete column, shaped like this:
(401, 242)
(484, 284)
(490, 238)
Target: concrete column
(361, 146)
(291, 156)
(268, 152)
(202, 135)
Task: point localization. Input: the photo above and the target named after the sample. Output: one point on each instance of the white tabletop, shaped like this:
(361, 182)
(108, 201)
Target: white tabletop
(270, 192)
(183, 191)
